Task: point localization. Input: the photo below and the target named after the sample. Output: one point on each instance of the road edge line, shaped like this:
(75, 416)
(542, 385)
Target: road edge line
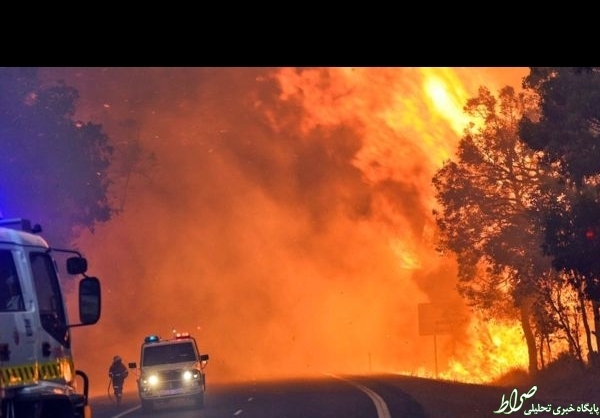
(380, 405)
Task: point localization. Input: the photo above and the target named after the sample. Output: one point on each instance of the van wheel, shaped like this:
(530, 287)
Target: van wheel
(147, 407)
(200, 401)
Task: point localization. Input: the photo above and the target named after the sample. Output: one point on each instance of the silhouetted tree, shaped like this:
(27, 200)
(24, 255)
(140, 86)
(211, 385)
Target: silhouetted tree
(53, 170)
(567, 131)
(568, 124)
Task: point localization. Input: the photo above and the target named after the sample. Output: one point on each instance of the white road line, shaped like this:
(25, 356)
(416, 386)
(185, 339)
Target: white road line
(380, 405)
(122, 414)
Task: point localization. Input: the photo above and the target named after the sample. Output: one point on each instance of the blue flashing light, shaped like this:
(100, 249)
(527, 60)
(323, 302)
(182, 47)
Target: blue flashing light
(152, 339)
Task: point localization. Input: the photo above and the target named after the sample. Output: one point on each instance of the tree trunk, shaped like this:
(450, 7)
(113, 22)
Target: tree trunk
(594, 361)
(525, 309)
(586, 326)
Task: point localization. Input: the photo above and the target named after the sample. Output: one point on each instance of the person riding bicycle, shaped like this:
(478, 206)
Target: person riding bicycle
(117, 373)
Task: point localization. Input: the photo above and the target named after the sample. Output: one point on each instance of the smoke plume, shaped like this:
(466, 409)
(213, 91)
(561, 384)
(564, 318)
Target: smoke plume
(286, 219)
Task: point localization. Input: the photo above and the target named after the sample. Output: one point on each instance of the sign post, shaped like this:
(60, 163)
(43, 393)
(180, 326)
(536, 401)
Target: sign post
(439, 318)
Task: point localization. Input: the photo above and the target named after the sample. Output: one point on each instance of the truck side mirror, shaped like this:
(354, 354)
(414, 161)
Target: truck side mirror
(89, 300)
(76, 265)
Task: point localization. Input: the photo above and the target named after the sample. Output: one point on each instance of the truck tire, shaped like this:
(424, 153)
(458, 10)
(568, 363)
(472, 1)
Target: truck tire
(43, 407)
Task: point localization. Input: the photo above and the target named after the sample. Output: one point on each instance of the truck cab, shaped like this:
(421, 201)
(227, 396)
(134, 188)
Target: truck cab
(37, 370)
(170, 369)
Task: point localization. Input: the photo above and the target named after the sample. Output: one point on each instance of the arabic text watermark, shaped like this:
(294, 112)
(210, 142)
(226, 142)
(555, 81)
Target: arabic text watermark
(514, 403)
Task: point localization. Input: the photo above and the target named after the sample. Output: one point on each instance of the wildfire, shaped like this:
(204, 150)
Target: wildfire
(411, 120)
(496, 349)
(278, 279)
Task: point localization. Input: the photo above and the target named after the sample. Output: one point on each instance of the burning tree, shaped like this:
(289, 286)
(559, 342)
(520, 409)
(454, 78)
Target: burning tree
(489, 218)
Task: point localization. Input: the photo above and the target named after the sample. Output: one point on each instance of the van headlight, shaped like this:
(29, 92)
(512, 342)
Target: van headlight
(189, 375)
(150, 380)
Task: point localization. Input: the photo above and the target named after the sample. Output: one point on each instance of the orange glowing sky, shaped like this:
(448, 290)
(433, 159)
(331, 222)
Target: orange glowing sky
(288, 222)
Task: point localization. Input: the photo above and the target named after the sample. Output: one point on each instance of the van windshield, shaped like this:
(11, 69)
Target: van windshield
(167, 354)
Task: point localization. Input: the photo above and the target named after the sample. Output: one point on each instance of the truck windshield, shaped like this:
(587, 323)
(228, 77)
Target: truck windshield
(47, 289)
(166, 354)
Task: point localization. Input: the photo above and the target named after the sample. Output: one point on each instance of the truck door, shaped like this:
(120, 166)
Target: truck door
(17, 342)
(50, 302)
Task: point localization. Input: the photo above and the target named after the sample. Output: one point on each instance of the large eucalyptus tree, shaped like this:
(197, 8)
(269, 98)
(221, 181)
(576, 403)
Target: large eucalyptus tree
(487, 214)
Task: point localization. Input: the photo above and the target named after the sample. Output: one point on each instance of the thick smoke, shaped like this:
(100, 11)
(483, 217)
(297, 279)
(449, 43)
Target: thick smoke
(286, 222)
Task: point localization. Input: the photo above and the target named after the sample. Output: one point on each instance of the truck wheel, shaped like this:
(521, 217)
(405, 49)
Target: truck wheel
(83, 411)
(199, 401)
(147, 407)
(51, 407)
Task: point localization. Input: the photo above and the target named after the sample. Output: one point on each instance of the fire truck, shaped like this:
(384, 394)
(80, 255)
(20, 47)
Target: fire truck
(38, 377)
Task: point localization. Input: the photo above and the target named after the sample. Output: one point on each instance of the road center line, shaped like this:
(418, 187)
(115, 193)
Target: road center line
(380, 405)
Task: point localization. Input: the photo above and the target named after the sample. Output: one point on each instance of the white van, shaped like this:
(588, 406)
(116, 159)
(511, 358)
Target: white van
(170, 369)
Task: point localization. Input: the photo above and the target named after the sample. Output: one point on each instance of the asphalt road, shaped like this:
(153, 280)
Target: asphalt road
(329, 396)
(382, 396)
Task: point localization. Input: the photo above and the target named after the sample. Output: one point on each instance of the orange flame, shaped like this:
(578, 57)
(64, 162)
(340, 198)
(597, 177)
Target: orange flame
(411, 120)
(269, 294)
